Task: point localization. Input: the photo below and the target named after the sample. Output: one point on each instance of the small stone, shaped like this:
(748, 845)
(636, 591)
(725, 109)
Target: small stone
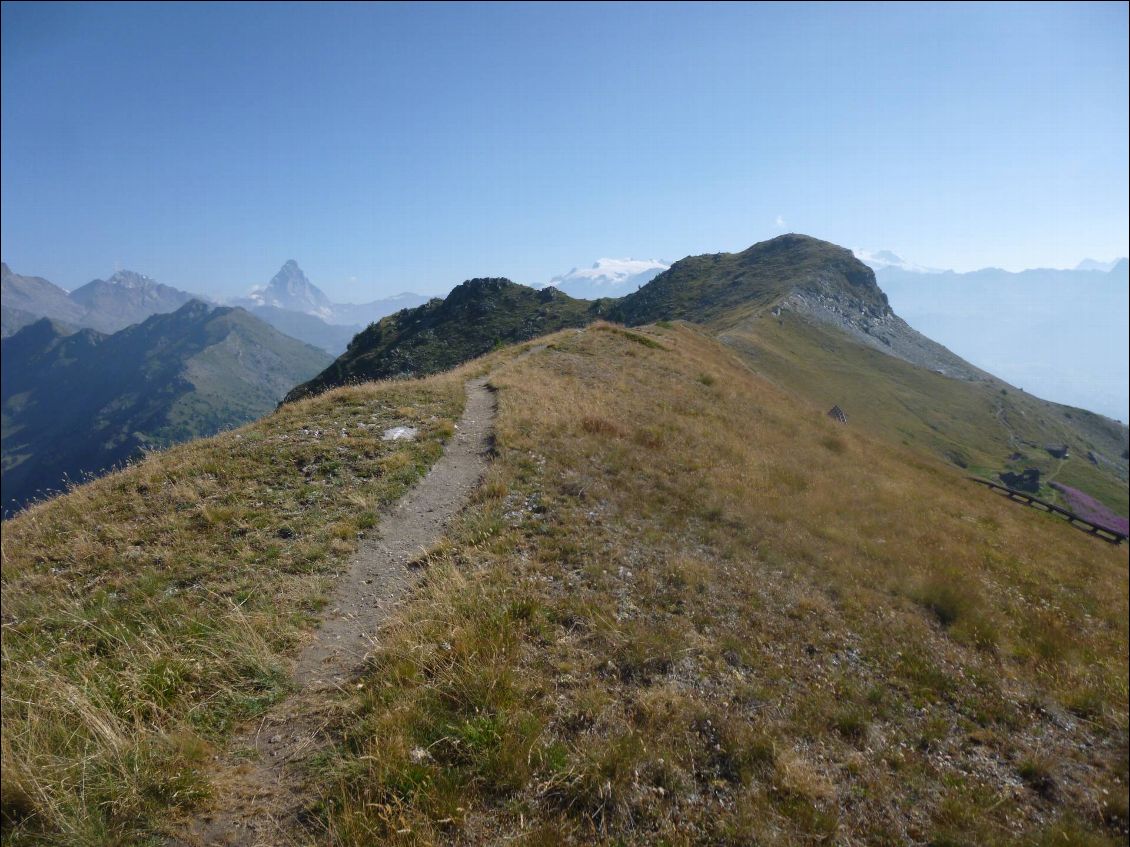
(399, 433)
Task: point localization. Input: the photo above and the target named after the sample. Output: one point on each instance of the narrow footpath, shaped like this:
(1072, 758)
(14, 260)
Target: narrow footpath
(260, 786)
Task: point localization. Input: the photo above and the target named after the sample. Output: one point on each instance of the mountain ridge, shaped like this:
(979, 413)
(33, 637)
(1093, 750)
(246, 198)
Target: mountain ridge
(173, 377)
(107, 305)
(476, 316)
(740, 297)
(709, 287)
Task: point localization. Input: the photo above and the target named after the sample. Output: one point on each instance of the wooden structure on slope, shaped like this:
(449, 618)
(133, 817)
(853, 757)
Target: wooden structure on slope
(837, 414)
(1097, 530)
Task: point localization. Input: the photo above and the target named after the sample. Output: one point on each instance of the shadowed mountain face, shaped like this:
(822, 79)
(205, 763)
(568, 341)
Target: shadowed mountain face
(125, 299)
(26, 299)
(36, 295)
(477, 316)
(331, 338)
(78, 403)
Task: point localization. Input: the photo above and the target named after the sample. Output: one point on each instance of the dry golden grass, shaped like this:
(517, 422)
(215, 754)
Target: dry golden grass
(688, 608)
(147, 612)
(684, 607)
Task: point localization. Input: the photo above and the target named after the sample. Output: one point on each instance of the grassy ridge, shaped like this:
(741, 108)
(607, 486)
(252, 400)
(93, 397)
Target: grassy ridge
(147, 612)
(687, 608)
(977, 424)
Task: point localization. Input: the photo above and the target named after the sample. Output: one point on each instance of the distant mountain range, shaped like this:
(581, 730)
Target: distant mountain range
(289, 302)
(94, 376)
(608, 278)
(105, 305)
(1061, 334)
(1093, 265)
(883, 260)
(79, 402)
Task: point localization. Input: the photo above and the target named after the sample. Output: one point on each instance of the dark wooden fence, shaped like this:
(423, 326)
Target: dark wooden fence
(1098, 530)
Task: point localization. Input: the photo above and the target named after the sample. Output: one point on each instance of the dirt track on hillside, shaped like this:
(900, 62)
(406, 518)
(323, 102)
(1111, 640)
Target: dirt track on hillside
(260, 788)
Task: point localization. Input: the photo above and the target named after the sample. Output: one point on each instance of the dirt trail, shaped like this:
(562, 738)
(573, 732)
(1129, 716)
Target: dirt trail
(1013, 441)
(260, 789)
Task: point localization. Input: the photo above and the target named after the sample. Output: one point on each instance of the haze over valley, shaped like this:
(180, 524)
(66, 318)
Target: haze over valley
(1059, 334)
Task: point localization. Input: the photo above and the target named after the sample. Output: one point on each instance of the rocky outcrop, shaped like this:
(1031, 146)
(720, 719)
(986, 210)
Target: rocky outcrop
(879, 328)
(1027, 480)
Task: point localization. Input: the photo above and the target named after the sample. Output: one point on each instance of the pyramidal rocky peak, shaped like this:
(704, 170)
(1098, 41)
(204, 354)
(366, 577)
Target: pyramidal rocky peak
(291, 289)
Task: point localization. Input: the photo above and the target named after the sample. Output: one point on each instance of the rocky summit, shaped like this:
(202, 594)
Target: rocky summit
(475, 317)
(290, 289)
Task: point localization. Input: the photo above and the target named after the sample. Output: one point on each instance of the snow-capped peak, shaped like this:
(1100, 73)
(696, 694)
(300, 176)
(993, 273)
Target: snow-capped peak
(609, 277)
(882, 259)
(290, 289)
(612, 271)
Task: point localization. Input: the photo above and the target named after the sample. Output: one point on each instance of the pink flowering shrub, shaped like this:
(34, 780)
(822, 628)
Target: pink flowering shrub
(1090, 509)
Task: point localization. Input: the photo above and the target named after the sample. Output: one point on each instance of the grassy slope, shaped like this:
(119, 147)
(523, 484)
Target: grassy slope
(979, 423)
(686, 608)
(146, 612)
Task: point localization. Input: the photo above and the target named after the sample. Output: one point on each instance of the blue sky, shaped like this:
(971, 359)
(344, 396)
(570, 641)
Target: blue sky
(408, 147)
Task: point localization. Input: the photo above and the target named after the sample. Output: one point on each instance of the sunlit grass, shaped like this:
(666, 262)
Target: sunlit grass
(685, 607)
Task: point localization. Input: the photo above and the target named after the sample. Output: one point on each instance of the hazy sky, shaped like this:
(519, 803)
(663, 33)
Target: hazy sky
(393, 147)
